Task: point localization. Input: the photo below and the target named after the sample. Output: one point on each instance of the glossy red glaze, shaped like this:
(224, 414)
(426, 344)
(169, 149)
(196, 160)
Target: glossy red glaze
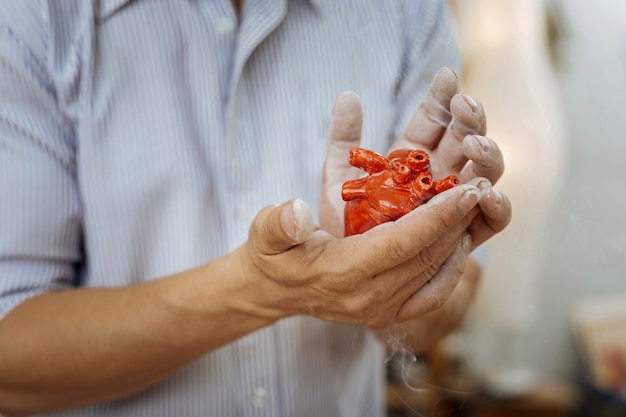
(395, 185)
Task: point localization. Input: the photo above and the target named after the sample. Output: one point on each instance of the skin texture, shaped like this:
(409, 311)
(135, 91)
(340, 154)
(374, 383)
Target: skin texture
(414, 272)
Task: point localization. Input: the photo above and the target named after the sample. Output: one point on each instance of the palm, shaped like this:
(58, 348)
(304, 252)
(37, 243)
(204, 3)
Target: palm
(344, 132)
(441, 126)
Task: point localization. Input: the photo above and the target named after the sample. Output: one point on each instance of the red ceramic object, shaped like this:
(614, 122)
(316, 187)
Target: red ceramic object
(395, 185)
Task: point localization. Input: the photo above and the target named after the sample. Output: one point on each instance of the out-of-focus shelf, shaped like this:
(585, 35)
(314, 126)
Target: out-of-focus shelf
(401, 397)
(546, 399)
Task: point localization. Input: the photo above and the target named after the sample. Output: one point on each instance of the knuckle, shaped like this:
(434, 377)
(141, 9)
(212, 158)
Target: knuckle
(361, 306)
(343, 286)
(436, 115)
(426, 259)
(354, 308)
(397, 252)
(448, 220)
(346, 279)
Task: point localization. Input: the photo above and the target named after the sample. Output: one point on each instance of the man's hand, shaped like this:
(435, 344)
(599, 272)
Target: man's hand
(374, 279)
(449, 126)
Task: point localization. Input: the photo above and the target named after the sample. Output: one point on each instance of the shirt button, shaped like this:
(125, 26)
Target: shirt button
(259, 397)
(242, 215)
(224, 26)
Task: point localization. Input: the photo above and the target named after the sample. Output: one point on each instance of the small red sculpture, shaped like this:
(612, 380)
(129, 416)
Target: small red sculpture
(395, 186)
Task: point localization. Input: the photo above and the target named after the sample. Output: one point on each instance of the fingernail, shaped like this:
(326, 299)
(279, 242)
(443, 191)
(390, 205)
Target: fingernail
(469, 199)
(498, 197)
(447, 71)
(484, 185)
(470, 102)
(287, 220)
(481, 142)
(297, 220)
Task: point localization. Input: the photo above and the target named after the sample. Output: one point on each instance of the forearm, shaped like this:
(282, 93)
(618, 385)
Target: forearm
(422, 333)
(69, 348)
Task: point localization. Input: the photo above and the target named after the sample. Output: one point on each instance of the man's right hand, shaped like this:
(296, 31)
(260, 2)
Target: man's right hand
(373, 279)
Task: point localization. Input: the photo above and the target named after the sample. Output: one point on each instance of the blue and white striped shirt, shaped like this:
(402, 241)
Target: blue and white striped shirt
(139, 139)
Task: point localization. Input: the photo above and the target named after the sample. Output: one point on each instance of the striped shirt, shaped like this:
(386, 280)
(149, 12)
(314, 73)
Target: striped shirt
(139, 139)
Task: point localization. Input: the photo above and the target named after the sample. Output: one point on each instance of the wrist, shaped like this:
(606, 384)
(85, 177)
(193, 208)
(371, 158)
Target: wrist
(251, 294)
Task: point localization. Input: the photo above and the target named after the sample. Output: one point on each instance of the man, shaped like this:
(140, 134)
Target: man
(144, 269)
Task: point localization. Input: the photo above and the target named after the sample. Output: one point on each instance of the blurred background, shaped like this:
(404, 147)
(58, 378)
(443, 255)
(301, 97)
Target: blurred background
(548, 334)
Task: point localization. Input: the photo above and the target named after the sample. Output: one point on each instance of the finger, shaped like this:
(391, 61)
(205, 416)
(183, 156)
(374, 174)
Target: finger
(277, 228)
(495, 214)
(390, 244)
(344, 128)
(430, 121)
(370, 293)
(417, 271)
(468, 118)
(485, 157)
(435, 293)
(408, 273)
(344, 133)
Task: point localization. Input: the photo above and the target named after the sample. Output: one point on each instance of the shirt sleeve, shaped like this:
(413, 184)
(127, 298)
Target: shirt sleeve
(40, 214)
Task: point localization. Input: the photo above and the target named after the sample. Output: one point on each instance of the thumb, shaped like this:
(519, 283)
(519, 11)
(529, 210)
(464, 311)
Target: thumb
(277, 228)
(344, 133)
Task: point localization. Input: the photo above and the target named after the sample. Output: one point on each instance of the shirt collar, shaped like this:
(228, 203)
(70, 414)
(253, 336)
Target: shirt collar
(314, 3)
(108, 7)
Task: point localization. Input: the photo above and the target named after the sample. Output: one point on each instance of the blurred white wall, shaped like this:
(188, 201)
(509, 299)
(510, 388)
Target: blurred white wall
(568, 238)
(506, 66)
(586, 239)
